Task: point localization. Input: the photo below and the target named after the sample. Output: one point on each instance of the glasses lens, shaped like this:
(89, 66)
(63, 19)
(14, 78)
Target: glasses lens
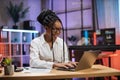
(57, 29)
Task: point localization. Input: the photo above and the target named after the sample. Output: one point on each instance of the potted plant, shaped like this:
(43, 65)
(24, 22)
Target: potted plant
(17, 12)
(72, 39)
(8, 67)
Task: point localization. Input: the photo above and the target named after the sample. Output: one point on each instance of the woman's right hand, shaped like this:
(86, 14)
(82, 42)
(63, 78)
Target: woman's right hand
(64, 65)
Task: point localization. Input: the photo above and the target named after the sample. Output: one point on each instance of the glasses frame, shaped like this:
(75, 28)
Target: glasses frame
(57, 29)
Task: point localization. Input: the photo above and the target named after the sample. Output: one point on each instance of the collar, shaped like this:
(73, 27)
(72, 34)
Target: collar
(43, 39)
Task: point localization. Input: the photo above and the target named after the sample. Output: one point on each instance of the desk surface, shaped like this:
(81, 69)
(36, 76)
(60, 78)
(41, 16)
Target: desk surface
(95, 71)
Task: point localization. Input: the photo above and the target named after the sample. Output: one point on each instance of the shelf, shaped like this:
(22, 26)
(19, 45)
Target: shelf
(16, 56)
(16, 30)
(4, 37)
(15, 44)
(15, 49)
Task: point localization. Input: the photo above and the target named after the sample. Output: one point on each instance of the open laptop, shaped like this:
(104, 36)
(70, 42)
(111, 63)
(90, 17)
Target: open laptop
(87, 60)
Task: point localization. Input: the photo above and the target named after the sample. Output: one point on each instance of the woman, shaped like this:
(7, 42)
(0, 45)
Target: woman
(47, 50)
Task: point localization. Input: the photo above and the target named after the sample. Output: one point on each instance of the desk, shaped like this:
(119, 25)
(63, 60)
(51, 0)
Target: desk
(95, 71)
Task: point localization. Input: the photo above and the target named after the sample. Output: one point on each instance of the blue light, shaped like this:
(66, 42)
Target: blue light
(14, 30)
(86, 37)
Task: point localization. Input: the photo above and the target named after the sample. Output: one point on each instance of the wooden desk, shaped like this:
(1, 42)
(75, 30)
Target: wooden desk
(95, 71)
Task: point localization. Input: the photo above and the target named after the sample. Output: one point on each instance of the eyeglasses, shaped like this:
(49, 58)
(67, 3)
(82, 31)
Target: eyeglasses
(57, 29)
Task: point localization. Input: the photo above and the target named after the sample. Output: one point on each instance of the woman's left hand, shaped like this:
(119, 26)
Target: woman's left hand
(73, 63)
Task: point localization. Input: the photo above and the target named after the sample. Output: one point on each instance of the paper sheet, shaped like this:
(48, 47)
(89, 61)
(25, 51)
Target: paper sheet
(35, 70)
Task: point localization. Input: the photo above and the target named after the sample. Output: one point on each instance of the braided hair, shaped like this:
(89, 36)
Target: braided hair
(48, 18)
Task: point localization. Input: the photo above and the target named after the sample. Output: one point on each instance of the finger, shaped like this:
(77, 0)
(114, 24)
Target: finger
(74, 64)
(65, 67)
(69, 65)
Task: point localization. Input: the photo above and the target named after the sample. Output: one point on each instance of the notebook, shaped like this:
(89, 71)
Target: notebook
(87, 60)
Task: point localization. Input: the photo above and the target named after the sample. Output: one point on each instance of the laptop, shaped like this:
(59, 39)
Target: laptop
(87, 60)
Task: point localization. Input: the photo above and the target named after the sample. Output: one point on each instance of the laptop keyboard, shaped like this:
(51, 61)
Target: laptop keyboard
(67, 69)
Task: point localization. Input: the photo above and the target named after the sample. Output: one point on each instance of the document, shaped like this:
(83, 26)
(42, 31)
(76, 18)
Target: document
(35, 70)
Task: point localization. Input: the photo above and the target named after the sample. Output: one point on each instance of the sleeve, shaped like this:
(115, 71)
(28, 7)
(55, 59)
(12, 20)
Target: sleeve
(35, 60)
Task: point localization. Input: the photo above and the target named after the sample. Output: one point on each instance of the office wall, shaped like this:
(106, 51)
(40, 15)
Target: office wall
(73, 16)
(108, 15)
(34, 10)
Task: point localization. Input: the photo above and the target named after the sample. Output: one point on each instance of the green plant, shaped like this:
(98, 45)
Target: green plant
(72, 38)
(17, 11)
(6, 62)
